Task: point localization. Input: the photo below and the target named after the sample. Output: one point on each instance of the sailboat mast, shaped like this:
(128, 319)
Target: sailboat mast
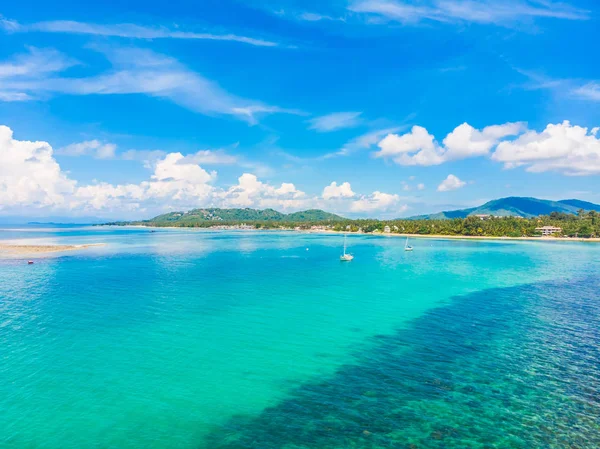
(345, 236)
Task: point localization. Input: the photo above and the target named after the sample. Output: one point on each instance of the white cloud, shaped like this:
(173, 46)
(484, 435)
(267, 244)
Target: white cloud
(568, 88)
(378, 202)
(344, 190)
(35, 63)
(418, 147)
(306, 16)
(407, 187)
(145, 156)
(212, 157)
(173, 167)
(335, 121)
(466, 141)
(250, 192)
(589, 91)
(451, 183)
(14, 96)
(362, 142)
(125, 30)
(314, 17)
(138, 71)
(30, 68)
(174, 184)
(32, 182)
(29, 175)
(503, 13)
(31, 179)
(414, 148)
(94, 148)
(565, 148)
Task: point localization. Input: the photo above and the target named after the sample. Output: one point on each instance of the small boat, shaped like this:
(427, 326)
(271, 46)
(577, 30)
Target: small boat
(407, 247)
(345, 257)
(30, 262)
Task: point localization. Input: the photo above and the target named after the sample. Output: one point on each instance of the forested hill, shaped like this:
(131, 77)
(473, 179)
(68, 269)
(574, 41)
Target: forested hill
(516, 207)
(216, 216)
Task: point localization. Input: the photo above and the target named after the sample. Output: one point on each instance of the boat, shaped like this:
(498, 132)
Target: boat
(30, 262)
(345, 257)
(407, 247)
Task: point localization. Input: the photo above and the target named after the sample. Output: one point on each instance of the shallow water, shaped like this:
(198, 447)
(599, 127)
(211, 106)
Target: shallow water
(200, 339)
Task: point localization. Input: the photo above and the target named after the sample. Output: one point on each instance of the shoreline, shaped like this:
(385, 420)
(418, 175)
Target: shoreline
(20, 249)
(485, 237)
(382, 234)
(461, 237)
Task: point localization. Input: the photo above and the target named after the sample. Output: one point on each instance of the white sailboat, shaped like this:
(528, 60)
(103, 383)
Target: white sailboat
(345, 257)
(407, 247)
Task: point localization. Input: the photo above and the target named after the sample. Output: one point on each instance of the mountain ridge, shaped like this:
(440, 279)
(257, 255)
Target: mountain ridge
(515, 206)
(217, 215)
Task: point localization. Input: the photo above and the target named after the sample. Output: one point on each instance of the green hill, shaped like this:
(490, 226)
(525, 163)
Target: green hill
(516, 207)
(215, 215)
(312, 215)
(578, 204)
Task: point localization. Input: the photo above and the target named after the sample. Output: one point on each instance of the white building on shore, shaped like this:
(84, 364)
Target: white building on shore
(548, 230)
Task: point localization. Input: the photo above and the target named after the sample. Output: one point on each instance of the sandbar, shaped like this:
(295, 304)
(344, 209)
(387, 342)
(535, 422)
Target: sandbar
(9, 248)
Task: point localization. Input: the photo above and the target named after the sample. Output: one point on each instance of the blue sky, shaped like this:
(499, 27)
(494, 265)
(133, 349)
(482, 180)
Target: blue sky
(407, 106)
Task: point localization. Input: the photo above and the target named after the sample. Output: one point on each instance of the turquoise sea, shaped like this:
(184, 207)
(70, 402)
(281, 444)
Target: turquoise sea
(210, 339)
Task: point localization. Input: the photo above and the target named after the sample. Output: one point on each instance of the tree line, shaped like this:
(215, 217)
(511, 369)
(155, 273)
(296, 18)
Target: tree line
(585, 224)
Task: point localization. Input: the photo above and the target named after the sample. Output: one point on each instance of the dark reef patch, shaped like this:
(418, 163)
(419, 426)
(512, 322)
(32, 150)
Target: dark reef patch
(503, 368)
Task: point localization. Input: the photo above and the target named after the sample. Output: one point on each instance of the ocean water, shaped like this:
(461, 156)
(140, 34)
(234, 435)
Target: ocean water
(202, 339)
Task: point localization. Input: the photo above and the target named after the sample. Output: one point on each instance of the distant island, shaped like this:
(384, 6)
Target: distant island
(514, 217)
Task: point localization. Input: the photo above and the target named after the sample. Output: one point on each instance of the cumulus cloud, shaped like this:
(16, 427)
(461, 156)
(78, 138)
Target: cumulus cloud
(565, 148)
(250, 192)
(174, 184)
(466, 141)
(173, 167)
(31, 181)
(30, 178)
(451, 183)
(94, 148)
(29, 175)
(416, 147)
(125, 30)
(344, 190)
(335, 121)
(135, 71)
(419, 147)
(362, 142)
(378, 202)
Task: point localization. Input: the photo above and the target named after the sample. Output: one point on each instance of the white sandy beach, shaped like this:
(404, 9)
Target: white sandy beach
(14, 249)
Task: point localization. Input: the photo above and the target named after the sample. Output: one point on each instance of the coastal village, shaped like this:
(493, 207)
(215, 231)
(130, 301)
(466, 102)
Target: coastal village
(541, 231)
